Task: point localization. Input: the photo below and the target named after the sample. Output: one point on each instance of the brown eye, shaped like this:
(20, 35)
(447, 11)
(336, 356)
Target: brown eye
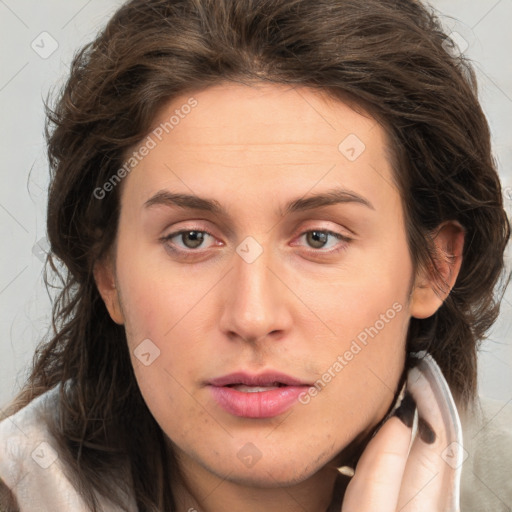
(324, 239)
(317, 239)
(188, 239)
(192, 239)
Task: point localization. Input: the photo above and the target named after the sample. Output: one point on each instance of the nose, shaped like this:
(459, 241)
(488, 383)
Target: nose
(255, 301)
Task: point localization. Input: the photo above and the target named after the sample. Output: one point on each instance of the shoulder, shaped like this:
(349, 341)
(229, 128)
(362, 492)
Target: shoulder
(487, 432)
(30, 467)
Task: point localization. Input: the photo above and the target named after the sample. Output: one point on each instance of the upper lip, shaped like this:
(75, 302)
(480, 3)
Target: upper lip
(268, 378)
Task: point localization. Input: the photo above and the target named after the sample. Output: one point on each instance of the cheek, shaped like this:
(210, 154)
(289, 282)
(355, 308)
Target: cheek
(362, 355)
(363, 303)
(164, 317)
(154, 298)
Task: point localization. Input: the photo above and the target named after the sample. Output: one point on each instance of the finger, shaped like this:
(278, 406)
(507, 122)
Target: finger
(376, 482)
(431, 479)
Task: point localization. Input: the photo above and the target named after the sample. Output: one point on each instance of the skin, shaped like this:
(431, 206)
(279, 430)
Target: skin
(294, 309)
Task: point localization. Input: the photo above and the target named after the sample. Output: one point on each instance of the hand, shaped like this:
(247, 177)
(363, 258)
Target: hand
(406, 472)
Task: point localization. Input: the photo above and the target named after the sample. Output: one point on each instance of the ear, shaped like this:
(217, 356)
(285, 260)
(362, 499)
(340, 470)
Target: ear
(429, 292)
(104, 276)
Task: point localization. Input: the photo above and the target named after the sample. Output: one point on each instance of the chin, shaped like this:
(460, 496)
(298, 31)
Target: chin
(274, 471)
(269, 476)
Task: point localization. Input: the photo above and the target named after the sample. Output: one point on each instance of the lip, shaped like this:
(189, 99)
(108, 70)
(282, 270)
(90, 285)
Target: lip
(261, 379)
(262, 404)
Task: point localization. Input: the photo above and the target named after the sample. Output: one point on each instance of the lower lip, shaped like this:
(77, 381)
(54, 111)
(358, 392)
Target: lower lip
(262, 404)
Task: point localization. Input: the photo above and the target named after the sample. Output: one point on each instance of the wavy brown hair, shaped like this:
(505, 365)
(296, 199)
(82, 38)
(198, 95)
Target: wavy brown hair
(388, 57)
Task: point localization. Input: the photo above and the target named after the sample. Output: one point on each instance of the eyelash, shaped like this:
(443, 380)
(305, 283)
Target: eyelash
(339, 236)
(193, 252)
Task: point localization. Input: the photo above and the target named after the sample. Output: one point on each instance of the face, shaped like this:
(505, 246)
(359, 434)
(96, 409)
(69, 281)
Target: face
(262, 273)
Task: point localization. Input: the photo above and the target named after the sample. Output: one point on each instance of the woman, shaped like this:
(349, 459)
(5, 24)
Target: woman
(273, 218)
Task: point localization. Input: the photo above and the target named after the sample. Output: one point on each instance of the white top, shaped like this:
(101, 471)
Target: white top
(31, 468)
(30, 465)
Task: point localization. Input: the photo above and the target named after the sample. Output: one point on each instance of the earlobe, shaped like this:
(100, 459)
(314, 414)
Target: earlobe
(104, 277)
(430, 291)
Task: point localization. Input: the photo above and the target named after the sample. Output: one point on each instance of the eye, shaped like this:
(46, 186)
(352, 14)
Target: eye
(324, 239)
(190, 239)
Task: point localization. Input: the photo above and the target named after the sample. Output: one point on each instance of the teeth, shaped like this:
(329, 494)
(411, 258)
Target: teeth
(253, 389)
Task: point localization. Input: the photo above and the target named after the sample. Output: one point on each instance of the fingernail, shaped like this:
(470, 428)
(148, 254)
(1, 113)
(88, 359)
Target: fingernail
(425, 431)
(405, 411)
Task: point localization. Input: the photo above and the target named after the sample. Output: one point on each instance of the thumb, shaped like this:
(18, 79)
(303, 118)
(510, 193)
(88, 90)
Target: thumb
(432, 474)
(378, 475)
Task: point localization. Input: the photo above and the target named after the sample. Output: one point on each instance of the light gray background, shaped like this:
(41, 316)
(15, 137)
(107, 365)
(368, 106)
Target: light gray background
(25, 78)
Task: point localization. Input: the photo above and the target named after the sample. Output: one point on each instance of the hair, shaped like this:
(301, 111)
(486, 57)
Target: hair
(390, 57)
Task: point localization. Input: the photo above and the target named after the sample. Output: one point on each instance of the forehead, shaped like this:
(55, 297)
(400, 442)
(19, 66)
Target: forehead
(231, 114)
(263, 135)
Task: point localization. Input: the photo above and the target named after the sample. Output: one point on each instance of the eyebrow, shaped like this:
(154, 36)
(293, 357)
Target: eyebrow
(327, 198)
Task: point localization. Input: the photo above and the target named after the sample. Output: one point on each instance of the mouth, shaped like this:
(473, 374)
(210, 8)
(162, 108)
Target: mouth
(261, 396)
(244, 388)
